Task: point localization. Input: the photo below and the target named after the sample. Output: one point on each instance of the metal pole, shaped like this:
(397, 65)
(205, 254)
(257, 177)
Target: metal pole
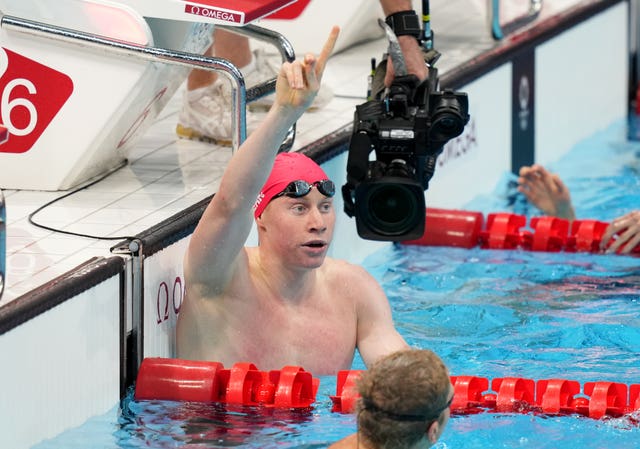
(498, 31)
(3, 243)
(634, 46)
(426, 26)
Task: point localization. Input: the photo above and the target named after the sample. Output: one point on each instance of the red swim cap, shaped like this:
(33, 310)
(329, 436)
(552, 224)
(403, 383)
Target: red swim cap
(287, 167)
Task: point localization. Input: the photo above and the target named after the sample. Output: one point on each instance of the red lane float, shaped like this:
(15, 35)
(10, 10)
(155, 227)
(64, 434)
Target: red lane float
(465, 229)
(178, 380)
(347, 393)
(444, 227)
(468, 393)
(293, 387)
(243, 384)
(518, 395)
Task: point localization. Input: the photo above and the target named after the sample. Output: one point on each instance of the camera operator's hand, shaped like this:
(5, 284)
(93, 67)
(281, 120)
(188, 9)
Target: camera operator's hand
(623, 234)
(411, 50)
(413, 58)
(546, 191)
(299, 81)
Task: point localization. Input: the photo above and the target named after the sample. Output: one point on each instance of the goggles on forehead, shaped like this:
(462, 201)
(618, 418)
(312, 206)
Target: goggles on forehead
(300, 188)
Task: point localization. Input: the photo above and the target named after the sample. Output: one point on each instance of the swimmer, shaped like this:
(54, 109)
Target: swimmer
(283, 302)
(404, 403)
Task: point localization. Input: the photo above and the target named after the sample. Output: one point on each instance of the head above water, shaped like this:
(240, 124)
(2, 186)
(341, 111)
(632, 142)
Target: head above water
(288, 167)
(404, 398)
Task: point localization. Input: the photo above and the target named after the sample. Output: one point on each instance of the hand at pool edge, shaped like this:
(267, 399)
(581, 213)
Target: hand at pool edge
(623, 234)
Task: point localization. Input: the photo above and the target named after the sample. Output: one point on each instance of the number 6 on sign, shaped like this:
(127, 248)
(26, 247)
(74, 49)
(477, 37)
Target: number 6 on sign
(31, 94)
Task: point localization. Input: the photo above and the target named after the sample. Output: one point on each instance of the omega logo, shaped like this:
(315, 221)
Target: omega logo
(524, 97)
(167, 302)
(211, 13)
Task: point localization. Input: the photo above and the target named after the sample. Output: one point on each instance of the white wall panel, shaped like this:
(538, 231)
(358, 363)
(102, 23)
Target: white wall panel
(61, 367)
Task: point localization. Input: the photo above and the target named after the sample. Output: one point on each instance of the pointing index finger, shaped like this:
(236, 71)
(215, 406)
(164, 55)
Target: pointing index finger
(327, 49)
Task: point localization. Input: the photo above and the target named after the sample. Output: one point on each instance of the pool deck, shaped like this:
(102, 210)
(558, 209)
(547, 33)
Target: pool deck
(165, 175)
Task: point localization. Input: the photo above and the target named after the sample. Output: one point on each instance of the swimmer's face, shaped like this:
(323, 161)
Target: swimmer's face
(299, 228)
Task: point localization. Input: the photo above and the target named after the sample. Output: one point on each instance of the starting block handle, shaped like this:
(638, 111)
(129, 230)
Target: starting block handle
(239, 93)
(285, 48)
(3, 243)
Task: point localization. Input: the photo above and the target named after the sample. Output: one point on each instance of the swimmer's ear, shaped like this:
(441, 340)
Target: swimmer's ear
(259, 221)
(432, 431)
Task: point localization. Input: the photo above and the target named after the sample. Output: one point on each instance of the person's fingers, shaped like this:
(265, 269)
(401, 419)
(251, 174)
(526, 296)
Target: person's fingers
(548, 183)
(524, 171)
(286, 70)
(310, 64)
(557, 186)
(539, 169)
(605, 240)
(327, 49)
(626, 231)
(634, 241)
(560, 186)
(295, 76)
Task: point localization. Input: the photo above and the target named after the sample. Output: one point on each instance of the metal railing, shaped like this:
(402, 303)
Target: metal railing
(499, 30)
(634, 48)
(3, 243)
(239, 93)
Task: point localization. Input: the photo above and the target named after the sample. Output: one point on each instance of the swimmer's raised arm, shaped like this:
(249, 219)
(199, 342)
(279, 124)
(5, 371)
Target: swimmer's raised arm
(225, 225)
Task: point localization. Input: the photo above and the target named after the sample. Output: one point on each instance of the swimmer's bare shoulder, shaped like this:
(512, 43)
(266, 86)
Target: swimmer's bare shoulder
(346, 443)
(353, 281)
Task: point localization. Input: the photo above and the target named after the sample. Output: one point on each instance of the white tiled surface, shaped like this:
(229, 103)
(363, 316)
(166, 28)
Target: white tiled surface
(165, 175)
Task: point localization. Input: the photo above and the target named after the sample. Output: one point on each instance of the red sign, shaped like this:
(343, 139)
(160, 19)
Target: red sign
(31, 94)
(290, 12)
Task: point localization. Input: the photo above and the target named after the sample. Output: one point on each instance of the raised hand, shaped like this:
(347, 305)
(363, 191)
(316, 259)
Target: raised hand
(298, 81)
(546, 191)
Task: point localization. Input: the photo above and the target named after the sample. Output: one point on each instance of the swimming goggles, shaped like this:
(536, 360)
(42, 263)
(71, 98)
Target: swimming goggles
(369, 405)
(300, 188)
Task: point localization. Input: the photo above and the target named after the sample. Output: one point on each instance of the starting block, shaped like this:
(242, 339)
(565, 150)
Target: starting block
(307, 23)
(220, 12)
(72, 99)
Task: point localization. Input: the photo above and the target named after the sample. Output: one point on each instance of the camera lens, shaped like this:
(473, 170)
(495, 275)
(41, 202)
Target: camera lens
(446, 124)
(449, 115)
(394, 209)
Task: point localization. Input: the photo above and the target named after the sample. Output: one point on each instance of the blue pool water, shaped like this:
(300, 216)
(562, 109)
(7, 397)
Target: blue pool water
(488, 313)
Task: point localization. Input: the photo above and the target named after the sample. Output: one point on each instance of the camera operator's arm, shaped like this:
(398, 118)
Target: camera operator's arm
(622, 234)
(411, 49)
(376, 333)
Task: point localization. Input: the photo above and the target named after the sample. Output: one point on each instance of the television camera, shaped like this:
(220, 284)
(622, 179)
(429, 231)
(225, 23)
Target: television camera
(406, 125)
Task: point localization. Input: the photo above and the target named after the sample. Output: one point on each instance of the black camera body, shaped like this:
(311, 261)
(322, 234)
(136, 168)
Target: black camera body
(406, 126)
